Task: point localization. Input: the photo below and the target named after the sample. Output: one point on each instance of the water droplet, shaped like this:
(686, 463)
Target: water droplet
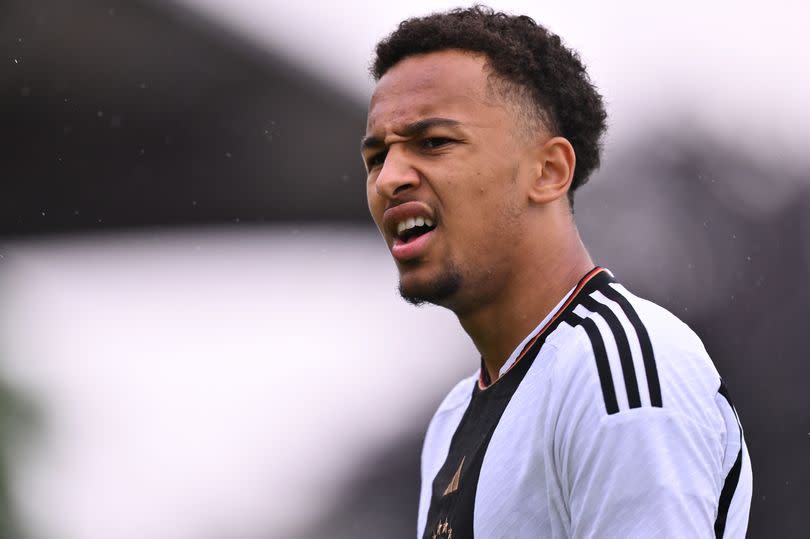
(141, 151)
(43, 213)
(194, 203)
(142, 85)
(16, 61)
(748, 258)
(99, 114)
(228, 155)
(75, 212)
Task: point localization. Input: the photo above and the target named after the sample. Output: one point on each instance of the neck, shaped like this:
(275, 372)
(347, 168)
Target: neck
(499, 325)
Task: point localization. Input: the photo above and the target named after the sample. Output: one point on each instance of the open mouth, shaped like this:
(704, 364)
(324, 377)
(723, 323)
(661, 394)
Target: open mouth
(413, 227)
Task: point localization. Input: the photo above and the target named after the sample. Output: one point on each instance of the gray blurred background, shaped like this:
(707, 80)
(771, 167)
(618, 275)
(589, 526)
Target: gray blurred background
(199, 331)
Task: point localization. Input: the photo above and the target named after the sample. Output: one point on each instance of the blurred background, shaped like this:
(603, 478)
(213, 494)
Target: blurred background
(200, 335)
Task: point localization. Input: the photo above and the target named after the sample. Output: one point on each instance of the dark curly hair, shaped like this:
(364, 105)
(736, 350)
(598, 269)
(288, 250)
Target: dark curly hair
(531, 61)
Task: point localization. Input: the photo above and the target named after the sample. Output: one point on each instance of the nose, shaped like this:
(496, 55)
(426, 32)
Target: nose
(397, 174)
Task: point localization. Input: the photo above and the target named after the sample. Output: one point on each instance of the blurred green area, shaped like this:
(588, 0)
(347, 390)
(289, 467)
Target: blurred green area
(17, 421)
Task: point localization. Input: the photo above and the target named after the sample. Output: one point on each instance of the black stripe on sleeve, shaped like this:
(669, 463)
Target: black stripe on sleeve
(726, 496)
(602, 364)
(644, 341)
(625, 356)
(733, 477)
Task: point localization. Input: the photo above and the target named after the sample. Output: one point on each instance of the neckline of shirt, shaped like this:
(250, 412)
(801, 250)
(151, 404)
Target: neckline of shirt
(520, 349)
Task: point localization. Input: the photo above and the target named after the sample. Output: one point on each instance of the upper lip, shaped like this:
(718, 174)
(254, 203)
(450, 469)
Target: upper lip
(394, 215)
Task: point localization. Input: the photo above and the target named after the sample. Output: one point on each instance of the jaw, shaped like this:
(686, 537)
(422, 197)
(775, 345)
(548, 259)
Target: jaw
(421, 283)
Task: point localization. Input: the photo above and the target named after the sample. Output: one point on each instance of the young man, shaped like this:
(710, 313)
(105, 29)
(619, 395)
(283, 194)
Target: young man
(595, 413)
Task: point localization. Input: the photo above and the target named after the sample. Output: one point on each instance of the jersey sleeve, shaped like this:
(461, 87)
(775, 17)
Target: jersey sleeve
(640, 472)
(644, 473)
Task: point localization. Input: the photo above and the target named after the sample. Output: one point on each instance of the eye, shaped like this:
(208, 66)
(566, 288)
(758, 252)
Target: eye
(433, 143)
(376, 160)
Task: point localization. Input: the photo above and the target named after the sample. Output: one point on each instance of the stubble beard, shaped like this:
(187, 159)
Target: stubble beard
(438, 291)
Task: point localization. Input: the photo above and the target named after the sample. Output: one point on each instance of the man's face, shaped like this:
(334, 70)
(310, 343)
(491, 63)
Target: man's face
(446, 164)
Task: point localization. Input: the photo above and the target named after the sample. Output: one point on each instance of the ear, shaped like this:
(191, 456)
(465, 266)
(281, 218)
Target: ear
(555, 170)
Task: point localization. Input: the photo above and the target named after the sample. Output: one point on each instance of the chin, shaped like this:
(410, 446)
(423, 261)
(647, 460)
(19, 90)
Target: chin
(439, 290)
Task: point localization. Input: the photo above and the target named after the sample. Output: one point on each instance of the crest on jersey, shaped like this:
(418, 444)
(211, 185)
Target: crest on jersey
(443, 530)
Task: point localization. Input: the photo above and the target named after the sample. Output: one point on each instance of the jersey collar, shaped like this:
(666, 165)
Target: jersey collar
(484, 380)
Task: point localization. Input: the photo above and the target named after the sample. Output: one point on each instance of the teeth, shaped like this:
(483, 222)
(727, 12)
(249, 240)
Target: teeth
(412, 222)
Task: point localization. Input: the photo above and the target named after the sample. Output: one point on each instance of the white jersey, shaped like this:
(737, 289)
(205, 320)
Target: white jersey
(611, 422)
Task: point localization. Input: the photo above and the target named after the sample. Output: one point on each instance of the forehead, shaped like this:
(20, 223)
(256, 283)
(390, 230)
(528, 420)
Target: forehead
(446, 83)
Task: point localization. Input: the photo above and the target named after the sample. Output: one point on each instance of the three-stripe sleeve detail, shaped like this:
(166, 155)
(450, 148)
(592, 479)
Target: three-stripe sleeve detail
(733, 477)
(624, 326)
(602, 363)
(625, 356)
(650, 370)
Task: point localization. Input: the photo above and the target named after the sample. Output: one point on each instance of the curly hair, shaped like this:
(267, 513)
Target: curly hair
(527, 57)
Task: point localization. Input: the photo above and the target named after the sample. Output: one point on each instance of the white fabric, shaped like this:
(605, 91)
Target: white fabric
(559, 466)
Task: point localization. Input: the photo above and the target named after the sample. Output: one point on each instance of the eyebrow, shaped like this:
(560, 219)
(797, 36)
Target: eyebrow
(411, 130)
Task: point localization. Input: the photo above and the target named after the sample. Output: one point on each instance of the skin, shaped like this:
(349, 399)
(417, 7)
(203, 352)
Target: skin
(497, 189)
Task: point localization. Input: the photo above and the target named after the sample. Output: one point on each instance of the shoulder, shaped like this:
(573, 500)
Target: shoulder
(459, 396)
(452, 407)
(633, 354)
(632, 386)
(444, 423)
(687, 379)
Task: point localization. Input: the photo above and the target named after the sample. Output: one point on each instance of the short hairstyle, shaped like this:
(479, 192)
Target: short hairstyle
(531, 61)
